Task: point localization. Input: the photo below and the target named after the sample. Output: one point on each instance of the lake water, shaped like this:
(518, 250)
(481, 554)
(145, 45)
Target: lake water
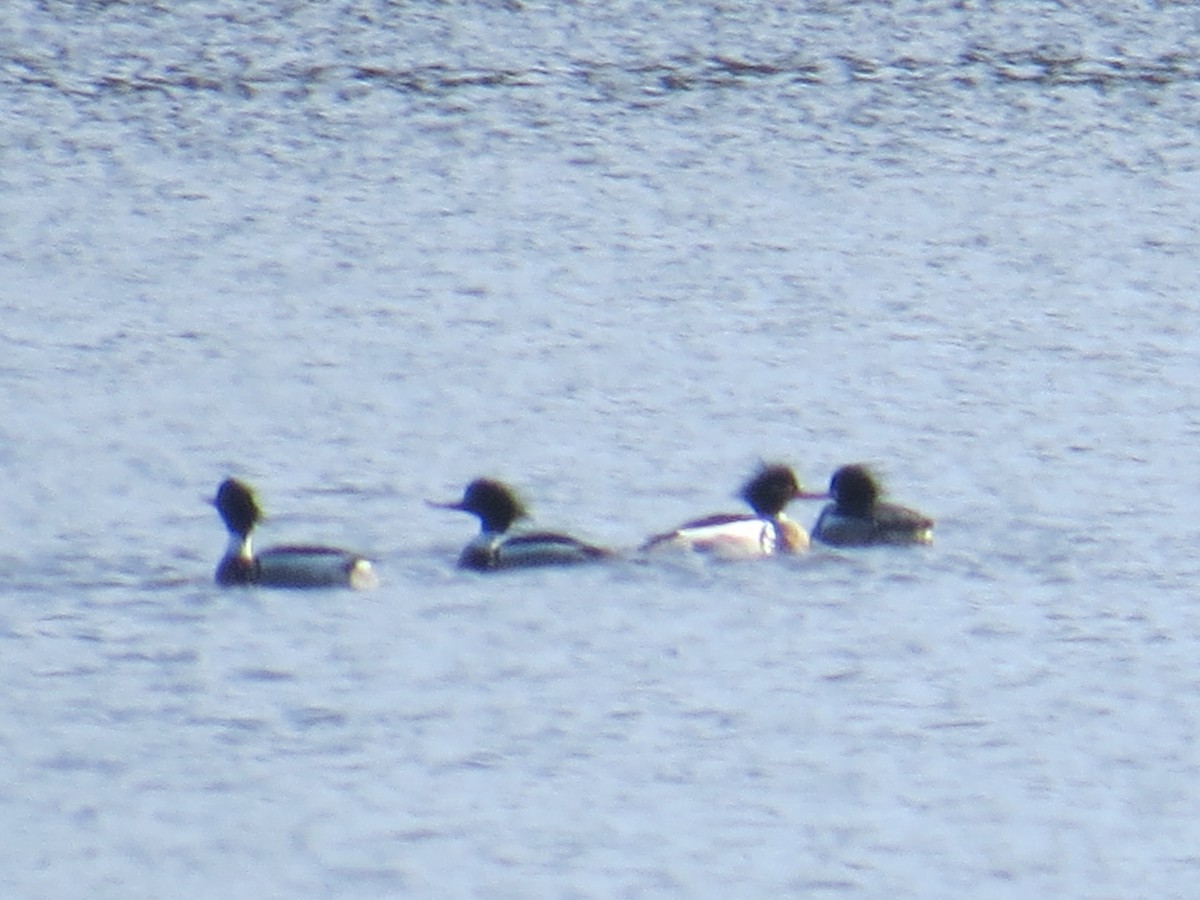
(361, 252)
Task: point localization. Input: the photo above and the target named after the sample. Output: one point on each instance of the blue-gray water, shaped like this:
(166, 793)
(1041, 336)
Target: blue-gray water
(617, 253)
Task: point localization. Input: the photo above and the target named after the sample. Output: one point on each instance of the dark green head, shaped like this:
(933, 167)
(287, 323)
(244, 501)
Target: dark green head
(237, 506)
(854, 489)
(772, 488)
(492, 501)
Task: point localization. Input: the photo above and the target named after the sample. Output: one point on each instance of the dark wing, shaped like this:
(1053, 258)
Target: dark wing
(543, 548)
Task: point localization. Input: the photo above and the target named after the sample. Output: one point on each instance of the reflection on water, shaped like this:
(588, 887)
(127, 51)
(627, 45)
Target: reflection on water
(360, 254)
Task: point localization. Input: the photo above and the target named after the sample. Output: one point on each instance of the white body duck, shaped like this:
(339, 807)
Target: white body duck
(285, 567)
(741, 535)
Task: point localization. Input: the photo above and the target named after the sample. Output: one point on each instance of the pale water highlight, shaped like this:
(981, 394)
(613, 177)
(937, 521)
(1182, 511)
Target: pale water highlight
(361, 253)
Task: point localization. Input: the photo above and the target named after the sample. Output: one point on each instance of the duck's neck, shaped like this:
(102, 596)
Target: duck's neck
(790, 536)
(239, 547)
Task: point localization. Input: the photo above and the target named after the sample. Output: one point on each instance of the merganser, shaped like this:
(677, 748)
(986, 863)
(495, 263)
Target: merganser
(498, 508)
(857, 517)
(740, 535)
(286, 567)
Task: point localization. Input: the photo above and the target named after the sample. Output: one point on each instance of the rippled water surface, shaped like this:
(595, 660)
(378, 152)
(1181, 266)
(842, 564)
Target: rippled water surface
(361, 252)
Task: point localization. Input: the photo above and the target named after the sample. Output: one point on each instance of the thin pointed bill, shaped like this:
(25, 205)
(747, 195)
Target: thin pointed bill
(811, 495)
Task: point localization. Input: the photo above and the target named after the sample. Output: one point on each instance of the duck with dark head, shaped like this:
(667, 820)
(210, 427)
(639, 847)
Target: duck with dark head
(859, 517)
(300, 566)
(764, 532)
(498, 509)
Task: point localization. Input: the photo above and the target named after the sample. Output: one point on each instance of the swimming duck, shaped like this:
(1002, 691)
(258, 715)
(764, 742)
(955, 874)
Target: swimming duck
(287, 567)
(858, 517)
(742, 535)
(498, 507)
